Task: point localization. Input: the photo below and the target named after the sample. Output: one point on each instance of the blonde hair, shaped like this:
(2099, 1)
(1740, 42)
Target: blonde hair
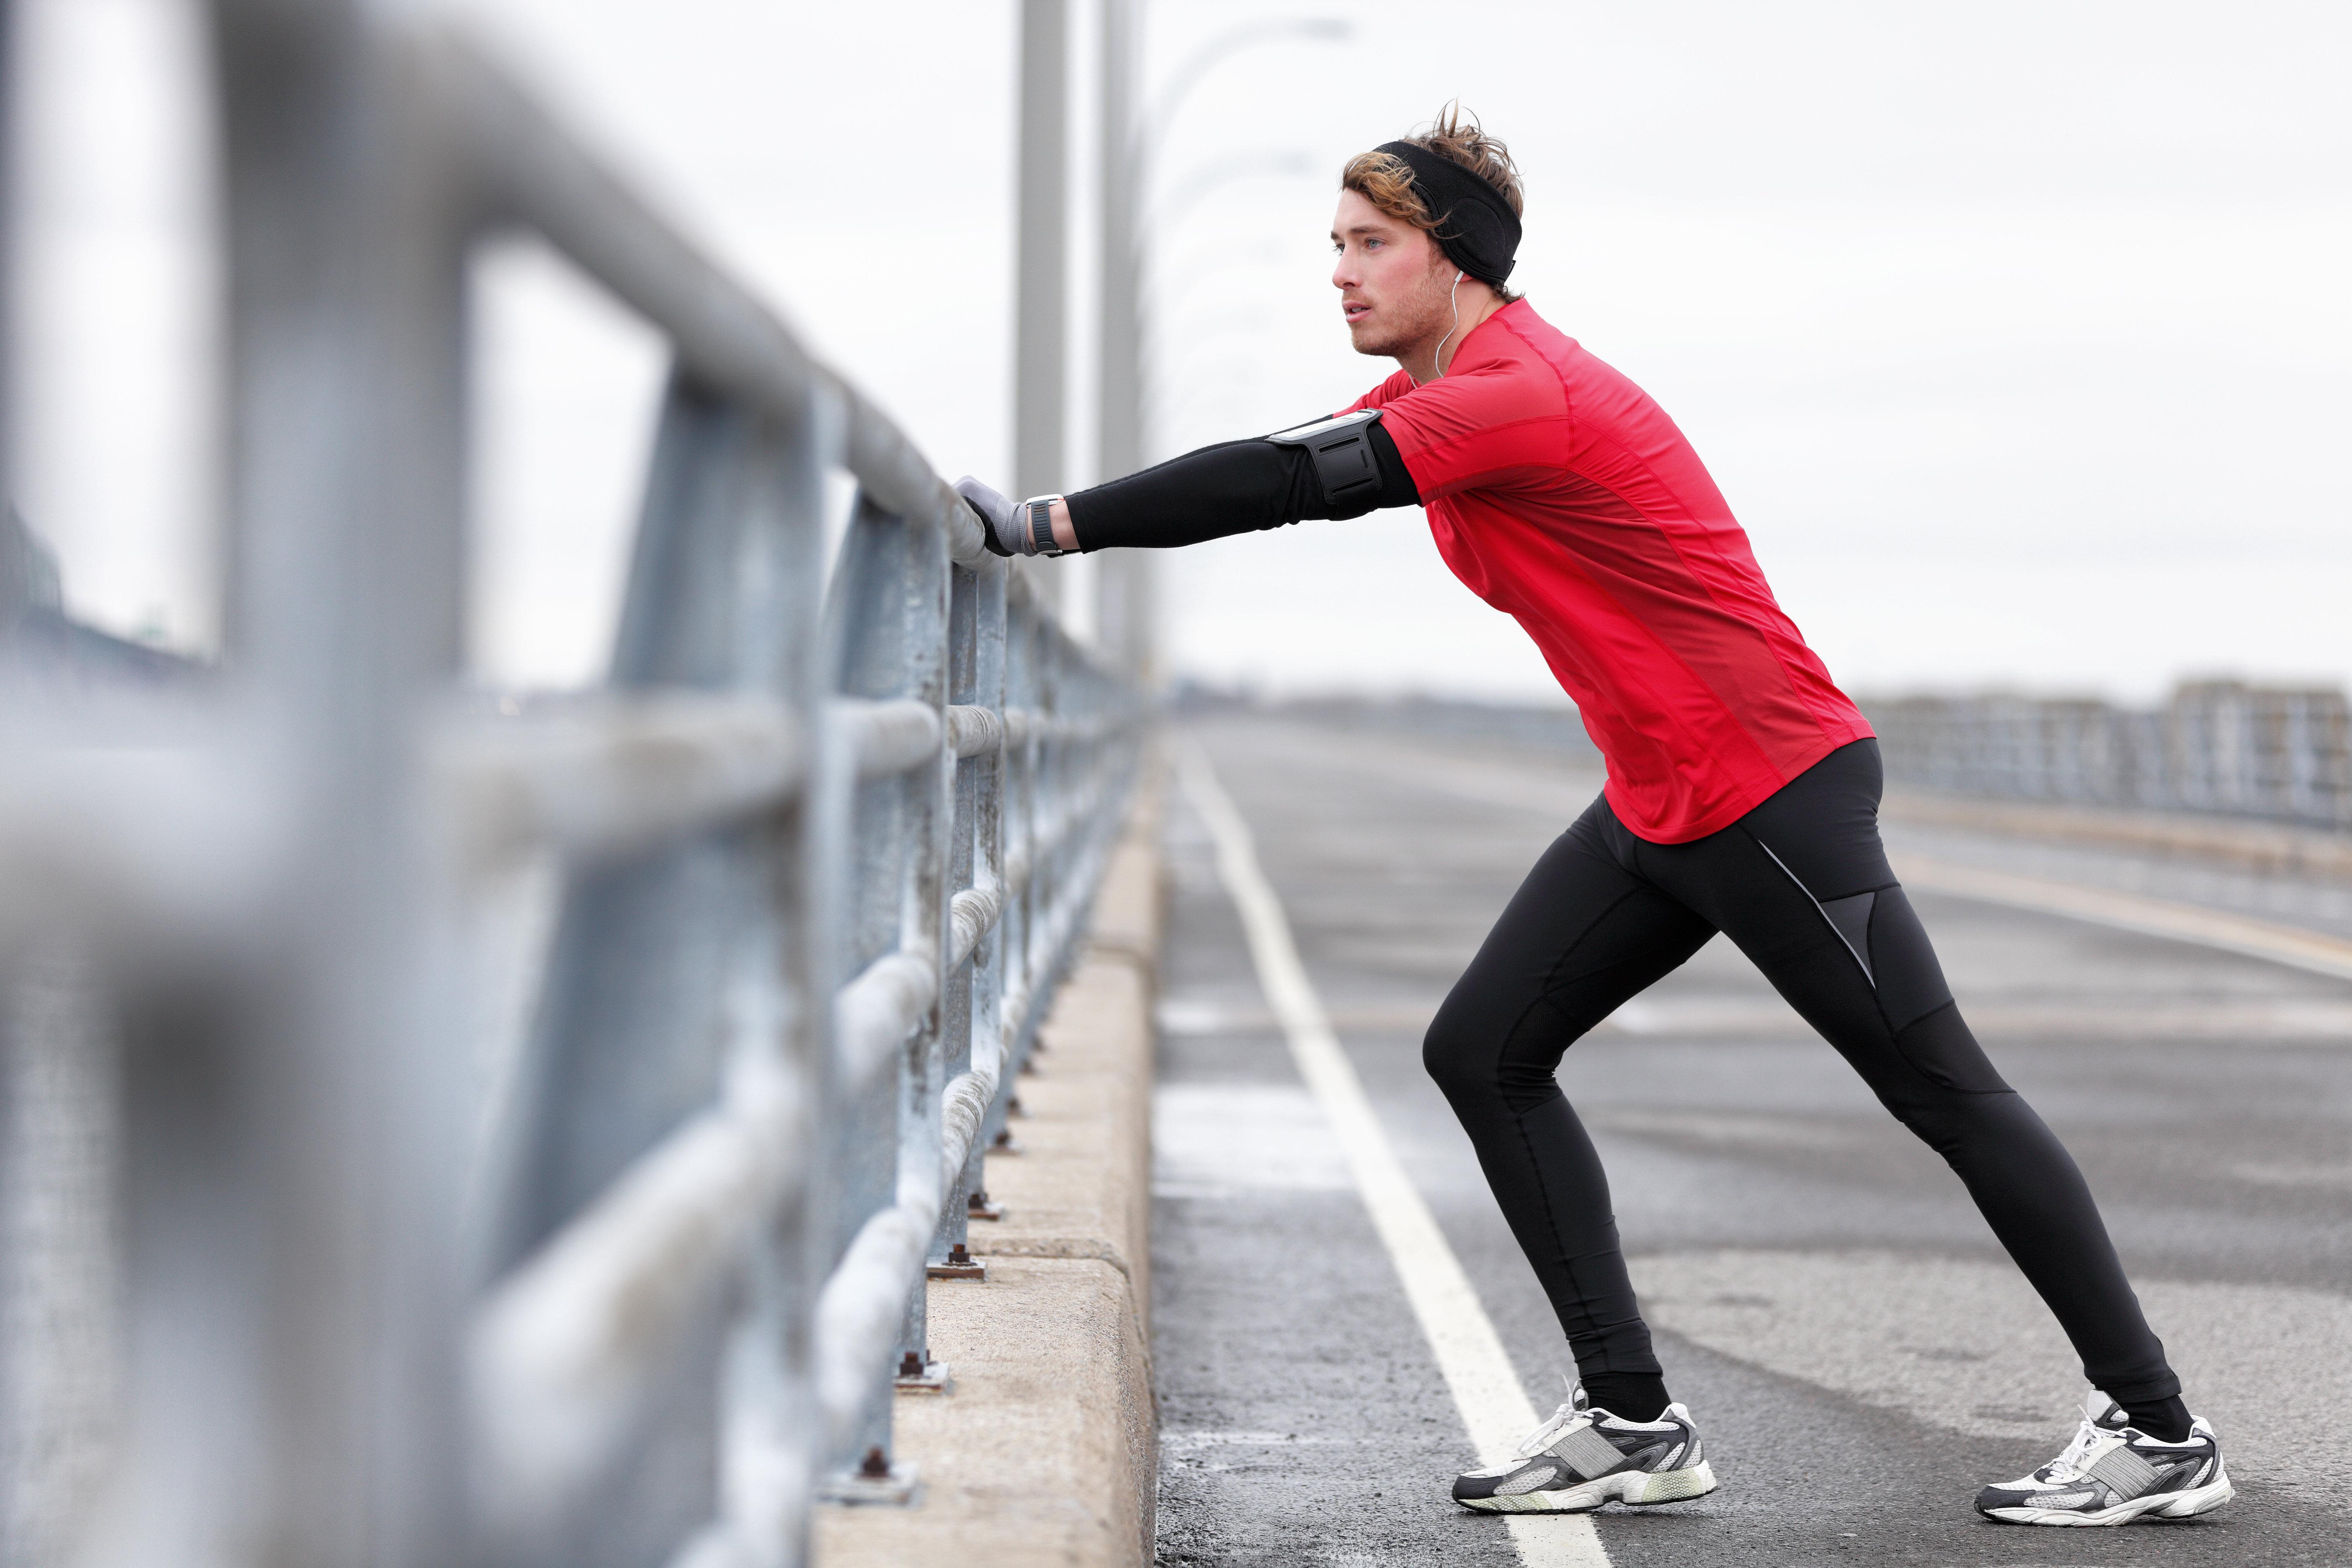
(1385, 179)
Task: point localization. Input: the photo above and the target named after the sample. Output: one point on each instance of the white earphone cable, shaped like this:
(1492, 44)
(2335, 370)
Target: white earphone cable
(1456, 305)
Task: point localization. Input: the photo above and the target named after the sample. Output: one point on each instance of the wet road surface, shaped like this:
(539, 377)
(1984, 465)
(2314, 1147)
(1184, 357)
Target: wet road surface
(1858, 1352)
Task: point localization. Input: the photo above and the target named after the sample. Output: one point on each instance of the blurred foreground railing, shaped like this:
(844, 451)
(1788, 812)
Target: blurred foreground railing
(530, 1122)
(2217, 746)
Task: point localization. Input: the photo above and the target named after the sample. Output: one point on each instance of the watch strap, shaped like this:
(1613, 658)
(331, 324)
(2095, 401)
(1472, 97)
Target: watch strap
(1041, 525)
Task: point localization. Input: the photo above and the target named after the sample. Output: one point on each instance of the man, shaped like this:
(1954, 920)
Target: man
(1742, 797)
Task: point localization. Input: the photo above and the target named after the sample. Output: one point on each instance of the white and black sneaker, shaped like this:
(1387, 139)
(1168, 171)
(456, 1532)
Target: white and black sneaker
(1581, 1458)
(2113, 1473)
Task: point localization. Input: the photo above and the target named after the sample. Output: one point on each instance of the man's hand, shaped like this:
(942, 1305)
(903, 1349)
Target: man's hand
(1000, 518)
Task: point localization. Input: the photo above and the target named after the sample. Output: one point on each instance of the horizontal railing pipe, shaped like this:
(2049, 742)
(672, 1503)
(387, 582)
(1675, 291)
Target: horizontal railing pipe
(602, 779)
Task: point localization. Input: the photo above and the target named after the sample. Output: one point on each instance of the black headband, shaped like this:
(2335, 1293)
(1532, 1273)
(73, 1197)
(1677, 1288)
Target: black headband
(1475, 227)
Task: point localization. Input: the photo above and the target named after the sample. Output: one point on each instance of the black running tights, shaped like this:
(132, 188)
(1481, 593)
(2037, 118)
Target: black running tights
(1802, 886)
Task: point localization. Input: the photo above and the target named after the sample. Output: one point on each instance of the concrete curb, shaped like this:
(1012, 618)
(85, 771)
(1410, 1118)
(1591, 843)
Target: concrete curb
(1046, 1448)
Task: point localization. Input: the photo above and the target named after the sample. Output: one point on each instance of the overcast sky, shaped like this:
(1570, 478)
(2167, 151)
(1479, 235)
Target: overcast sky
(2015, 333)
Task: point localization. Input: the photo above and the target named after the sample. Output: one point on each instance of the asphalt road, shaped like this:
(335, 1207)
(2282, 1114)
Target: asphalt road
(1858, 1352)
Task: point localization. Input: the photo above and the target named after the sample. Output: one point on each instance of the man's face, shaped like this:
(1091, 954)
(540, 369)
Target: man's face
(1391, 277)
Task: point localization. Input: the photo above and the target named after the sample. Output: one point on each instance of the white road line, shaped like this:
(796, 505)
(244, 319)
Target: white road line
(2291, 945)
(1494, 1408)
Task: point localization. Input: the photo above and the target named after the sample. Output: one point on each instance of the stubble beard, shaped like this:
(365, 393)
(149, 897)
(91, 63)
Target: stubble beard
(1422, 317)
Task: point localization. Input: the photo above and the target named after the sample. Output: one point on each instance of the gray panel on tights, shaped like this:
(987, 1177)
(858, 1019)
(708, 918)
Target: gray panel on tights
(1851, 917)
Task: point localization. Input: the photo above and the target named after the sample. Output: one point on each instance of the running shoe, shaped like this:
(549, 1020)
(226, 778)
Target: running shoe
(2113, 1473)
(1581, 1458)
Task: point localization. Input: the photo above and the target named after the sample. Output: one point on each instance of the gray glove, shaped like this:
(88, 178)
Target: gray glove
(1000, 518)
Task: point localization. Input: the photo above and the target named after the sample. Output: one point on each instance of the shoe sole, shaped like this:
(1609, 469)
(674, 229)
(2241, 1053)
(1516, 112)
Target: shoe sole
(1635, 1488)
(2159, 1506)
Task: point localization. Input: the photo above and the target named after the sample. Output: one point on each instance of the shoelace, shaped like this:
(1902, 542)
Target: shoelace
(1543, 1435)
(2086, 1436)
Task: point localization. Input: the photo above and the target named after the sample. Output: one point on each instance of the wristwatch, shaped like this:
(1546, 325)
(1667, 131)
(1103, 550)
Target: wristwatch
(1041, 525)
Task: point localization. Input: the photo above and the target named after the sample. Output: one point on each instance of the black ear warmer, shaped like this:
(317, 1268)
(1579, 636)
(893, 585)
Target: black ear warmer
(1475, 227)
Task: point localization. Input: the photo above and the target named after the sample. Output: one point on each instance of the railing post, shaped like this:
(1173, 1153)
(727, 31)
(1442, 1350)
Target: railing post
(627, 1038)
(981, 832)
(1020, 822)
(886, 621)
(1049, 821)
(949, 1257)
(928, 588)
(294, 1280)
(1005, 942)
(682, 975)
(771, 1443)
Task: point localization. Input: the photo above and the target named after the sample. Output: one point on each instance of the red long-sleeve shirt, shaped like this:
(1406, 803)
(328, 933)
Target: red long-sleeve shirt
(1560, 493)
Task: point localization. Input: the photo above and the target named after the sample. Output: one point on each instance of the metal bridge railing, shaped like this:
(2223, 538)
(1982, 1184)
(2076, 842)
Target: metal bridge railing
(2217, 746)
(531, 1122)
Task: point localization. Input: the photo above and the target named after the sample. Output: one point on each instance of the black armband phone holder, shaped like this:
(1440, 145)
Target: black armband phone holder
(1341, 449)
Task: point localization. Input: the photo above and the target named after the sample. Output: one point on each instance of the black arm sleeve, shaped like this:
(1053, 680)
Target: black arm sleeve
(1233, 487)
